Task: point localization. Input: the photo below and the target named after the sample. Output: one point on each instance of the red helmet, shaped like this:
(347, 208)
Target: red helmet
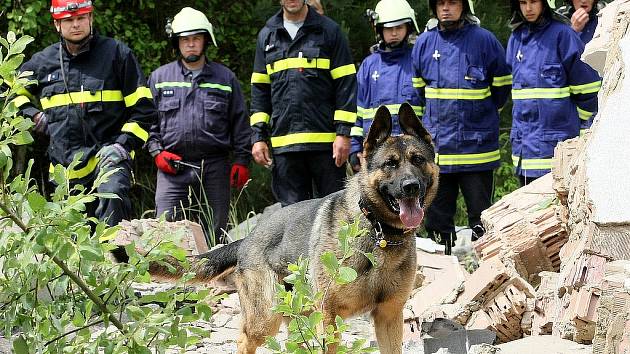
(61, 9)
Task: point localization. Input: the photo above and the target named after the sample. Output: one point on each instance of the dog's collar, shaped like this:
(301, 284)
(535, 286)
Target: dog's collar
(380, 229)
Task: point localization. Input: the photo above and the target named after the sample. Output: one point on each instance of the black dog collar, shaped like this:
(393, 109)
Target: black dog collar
(380, 229)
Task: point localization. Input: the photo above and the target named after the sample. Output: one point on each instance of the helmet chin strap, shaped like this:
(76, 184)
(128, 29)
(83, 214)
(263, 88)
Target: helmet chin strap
(450, 25)
(192, 58)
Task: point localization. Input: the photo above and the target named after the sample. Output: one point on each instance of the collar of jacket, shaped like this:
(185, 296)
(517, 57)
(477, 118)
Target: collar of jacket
(204, 71)
(381, 230)
(312, 19)
(390, 53)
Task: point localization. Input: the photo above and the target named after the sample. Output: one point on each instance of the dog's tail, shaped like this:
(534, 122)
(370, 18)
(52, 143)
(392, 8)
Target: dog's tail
(216, 263)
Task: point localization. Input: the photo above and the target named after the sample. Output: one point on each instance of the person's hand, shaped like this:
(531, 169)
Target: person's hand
(41, 123)
(579, 19)
(111, 155)
(341, 149)
(260, 152)
(239, 176)
(163, 162)
(355, 161)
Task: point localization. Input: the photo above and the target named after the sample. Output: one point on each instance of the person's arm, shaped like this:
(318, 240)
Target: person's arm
(241, 130)
(500, 74)
(154, 143)
(141, 113)
(584, 82)
(343, 73)
(260, 110)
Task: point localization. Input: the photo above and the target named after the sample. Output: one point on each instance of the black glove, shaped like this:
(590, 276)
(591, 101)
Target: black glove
(111, 155)
(355, 162)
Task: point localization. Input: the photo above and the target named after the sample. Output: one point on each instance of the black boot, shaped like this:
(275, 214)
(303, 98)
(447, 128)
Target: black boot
(477, 232)
(444, 238)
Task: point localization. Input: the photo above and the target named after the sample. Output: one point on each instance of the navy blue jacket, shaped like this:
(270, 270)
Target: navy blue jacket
(201, 117)
(384, 78)
(463, 76)
(553, 91)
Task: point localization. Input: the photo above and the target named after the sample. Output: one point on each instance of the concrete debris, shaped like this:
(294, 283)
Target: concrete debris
(187, 234)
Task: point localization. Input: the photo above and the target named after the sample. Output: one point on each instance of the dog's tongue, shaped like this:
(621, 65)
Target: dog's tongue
(411, 214)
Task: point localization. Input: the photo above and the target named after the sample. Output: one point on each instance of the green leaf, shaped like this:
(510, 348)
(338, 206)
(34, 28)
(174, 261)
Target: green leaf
(11, 37)
(36, 201)
(346, 275)
(91, 253)
(370, 256)
(273, 344)
(329, 260)
(23, 138)
(20, 45)
(20, 346)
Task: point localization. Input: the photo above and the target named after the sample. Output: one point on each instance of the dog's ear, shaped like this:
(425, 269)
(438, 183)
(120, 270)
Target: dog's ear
(411, 124)
(380, 129)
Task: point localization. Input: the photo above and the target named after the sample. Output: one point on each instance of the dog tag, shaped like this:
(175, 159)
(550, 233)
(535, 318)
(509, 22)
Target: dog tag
(382, 243)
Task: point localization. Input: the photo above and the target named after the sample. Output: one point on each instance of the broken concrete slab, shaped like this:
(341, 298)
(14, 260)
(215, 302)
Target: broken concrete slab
(186, 234)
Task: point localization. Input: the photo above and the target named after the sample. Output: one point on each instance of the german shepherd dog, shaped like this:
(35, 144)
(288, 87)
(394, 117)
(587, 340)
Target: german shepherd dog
(397, 181)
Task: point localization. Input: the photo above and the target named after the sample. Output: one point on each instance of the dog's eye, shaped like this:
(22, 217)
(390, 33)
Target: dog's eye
(418, 160)
(391, 163)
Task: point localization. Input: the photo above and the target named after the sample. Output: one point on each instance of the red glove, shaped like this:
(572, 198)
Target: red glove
(163, 161)
(239, 176)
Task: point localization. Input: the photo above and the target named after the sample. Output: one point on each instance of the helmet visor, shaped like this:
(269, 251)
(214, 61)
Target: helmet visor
(190, 33)
(395, 23)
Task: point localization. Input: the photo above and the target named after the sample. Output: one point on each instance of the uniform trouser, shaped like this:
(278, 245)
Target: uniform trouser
(476, 188)
(112, 210)
(197, 195)
(298, 176)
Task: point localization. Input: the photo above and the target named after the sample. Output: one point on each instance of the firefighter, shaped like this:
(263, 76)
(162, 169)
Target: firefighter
(553, 90)
(460, 71)
(95, 105)
(202, 121)
(303, 102)
(384, 77)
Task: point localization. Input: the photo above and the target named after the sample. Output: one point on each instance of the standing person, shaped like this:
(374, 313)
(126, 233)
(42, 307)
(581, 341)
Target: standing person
(553, 90)
(202, 120)
(303, 102)
(384, 77)
(583, 15)
(462, 74)
(94, 102)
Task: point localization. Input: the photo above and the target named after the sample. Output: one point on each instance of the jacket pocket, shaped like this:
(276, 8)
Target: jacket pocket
(476, 76)
(311, 55)
(481, 136)
(552, 74)
(215, 113)
(93, 95)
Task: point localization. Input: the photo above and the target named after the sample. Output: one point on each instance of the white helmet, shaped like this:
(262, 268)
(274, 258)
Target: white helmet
(391, 13)
(190, 21)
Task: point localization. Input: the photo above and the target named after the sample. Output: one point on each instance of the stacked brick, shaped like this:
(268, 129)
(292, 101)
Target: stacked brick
(525, 231)
(612, 333)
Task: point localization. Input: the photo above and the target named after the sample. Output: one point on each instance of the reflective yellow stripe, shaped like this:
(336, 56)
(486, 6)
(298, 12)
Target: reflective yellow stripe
(300, 138)
(343, 71)
(258, 78)
(532, 164)
(583, 131)
(80, 173)
(160, 85)
(294, 63)
(216, 86)
(345, 116)
(457, 94)
(356, 131)
(20, 100)
(502, 80)
(135, 129)
(65, 99)
(553, 92)
(584, 115)
(418, 82)
(259, 117)
(468, 159)
(586, 88)
(369, 113)
(419, 110)
(141, 92)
